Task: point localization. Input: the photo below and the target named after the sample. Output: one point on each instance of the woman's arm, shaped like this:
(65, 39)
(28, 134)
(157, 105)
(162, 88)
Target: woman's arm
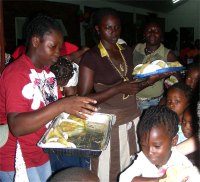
(143, 179)
(171, 57)
(29, 122)
(76, 56)
(188, 146)
(86, 83)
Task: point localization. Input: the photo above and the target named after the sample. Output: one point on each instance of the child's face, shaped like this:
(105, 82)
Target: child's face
(157, 145)
(47, 48)
(186, 125)
(62, 82)
(192, 78)
(177, 101)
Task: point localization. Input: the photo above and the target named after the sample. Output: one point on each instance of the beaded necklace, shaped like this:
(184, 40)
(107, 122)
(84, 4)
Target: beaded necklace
(148, 51)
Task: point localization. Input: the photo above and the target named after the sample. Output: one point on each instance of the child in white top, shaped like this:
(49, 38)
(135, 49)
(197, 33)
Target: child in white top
(189, 125)
(157, 133)
(66, 73)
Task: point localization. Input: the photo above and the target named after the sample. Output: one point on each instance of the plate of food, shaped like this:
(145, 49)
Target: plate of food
(180, 172)
(156, 67)
(72, 136)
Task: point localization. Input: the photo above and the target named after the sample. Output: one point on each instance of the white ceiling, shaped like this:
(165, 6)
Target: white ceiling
(162, 6)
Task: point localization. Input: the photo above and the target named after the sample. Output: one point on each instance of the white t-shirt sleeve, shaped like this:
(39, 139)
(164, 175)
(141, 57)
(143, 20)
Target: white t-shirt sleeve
(133, 170)
(74, 80)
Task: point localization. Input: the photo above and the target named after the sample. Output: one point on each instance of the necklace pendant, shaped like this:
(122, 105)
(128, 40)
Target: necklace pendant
(125, 96)
(121, 67)
(126, 79)
(61, 88)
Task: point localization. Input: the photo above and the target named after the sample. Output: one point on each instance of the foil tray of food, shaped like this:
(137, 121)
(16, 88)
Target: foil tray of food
(156, 67)
(72, 136)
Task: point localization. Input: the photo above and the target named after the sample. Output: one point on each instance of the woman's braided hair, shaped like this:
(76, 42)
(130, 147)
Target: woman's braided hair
(156, 116)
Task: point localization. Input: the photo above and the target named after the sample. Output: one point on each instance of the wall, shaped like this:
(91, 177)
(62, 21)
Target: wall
(104, 3)
(187, 15)
(128, 15)
(67, 12)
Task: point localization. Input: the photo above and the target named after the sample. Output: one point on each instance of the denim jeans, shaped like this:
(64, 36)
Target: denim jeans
(59, 162)
(145, 104)
(35, 174)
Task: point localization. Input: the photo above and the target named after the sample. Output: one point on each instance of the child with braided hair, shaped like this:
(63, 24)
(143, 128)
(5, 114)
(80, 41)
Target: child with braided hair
(158, 160)
(66, 73)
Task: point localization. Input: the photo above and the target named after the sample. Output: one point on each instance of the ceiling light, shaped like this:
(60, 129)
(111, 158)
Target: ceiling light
(175, 1)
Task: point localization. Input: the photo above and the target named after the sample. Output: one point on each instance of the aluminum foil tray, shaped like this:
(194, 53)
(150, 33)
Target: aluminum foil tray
(87, 139)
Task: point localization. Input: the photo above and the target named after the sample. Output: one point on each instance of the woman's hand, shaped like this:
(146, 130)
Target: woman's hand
(28, 122)
(154, 78)
(185, 179)
(79, 106)
(129, 87)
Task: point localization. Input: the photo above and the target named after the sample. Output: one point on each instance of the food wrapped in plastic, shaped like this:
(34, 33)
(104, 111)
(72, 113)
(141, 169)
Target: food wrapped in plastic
(156, 67)
(74, 136)
(179, 173)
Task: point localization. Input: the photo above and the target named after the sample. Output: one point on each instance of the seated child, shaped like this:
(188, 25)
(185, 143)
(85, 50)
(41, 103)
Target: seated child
(189, 125)
(74, 174)
(189, 128)
(192, 144)
(66, 74)
(158, 160)
(178, 98)
(192, 80)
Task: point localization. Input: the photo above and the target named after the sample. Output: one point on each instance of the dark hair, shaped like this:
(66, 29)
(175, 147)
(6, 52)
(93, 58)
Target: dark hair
(183, 87)
(74, 174)
(41, 25)
(195, 66)
(154, 22)
(62, 69)
(97, 17)
(156, 116)
(193, 113)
